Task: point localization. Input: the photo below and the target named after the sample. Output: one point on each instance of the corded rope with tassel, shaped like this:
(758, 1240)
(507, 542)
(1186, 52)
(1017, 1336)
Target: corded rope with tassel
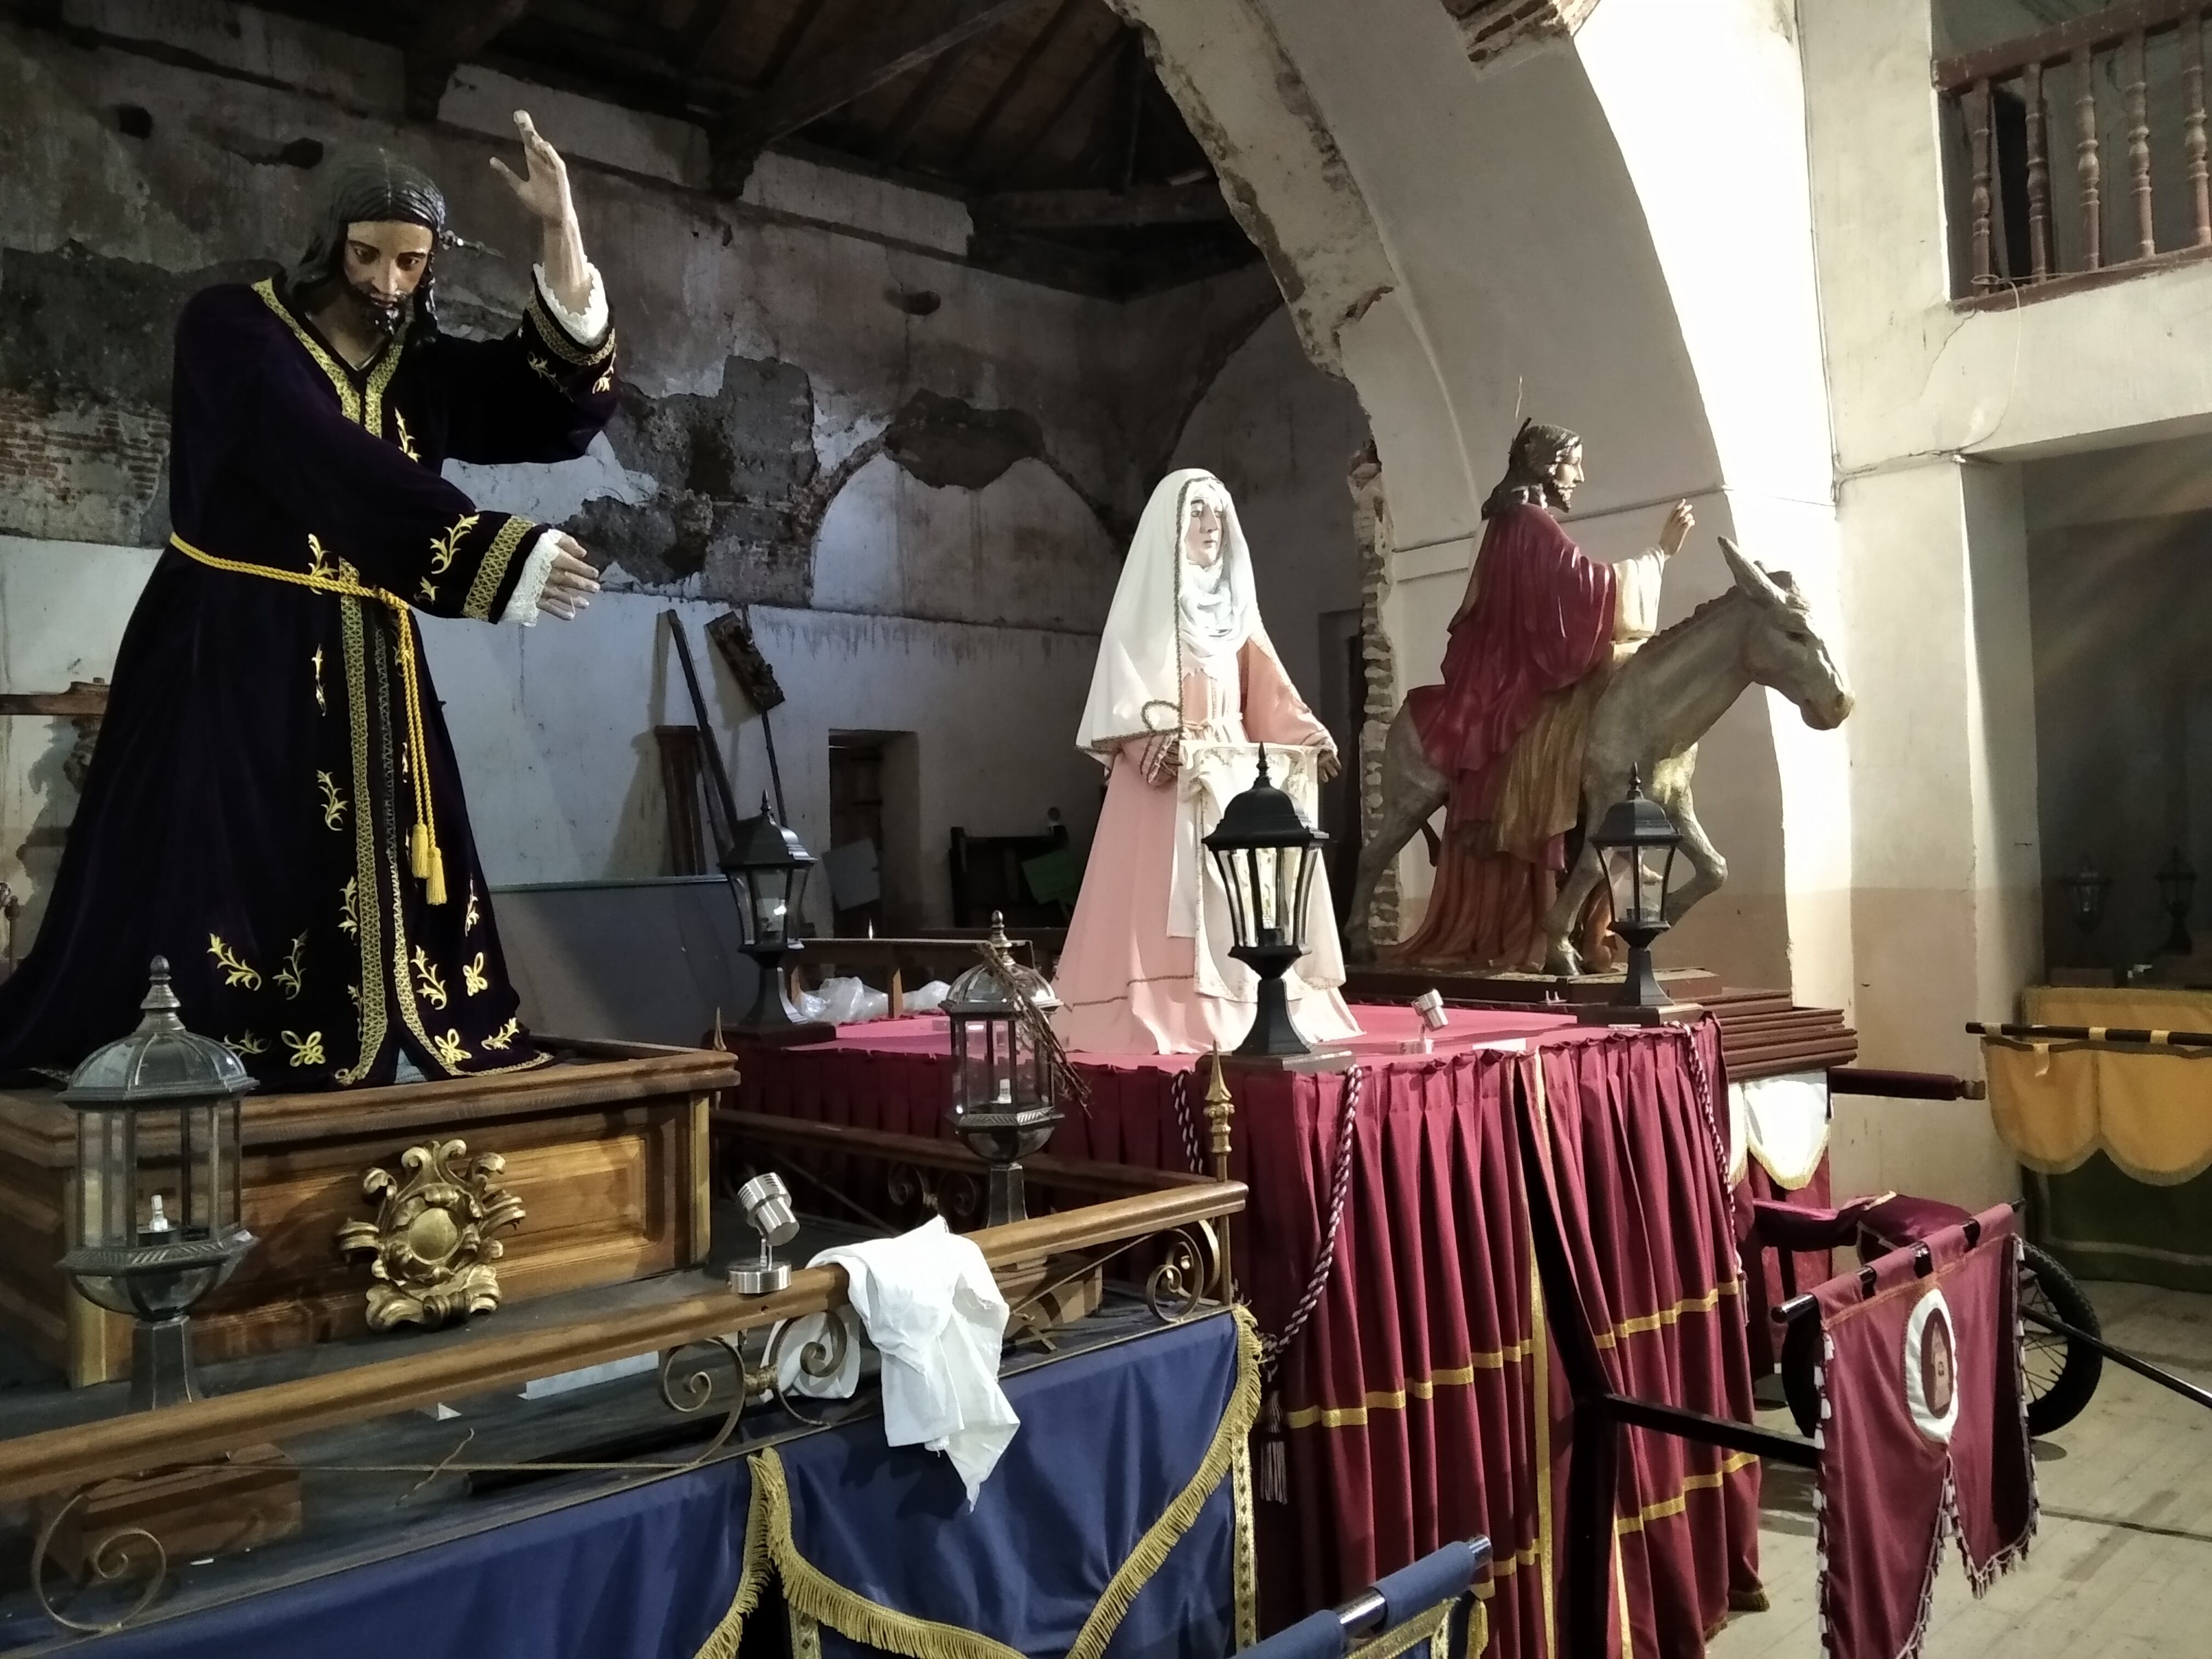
(1179, 1097)
(424, 857)
(1271, 1474)
(1026, 983)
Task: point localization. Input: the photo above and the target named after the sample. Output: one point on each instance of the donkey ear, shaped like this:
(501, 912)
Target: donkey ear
(1750, 578)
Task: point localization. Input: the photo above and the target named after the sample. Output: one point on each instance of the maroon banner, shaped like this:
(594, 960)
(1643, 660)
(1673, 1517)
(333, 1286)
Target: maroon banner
(1923, 1432)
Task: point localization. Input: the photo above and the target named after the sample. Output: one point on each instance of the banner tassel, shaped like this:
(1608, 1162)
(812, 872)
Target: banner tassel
(1271, 1474)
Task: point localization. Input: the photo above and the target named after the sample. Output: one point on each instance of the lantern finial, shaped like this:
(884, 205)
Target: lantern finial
(161, 1005)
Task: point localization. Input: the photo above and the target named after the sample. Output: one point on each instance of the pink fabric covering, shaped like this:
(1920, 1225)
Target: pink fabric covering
(1126, 984)
(1924, 1433)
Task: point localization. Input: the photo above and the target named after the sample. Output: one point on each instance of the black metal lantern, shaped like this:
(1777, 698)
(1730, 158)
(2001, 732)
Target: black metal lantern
(1003, 1104)
(156, 1224)
(1637, 841)
(1267, 854)
(2176, 890)
(767, 869)
(2086, 890)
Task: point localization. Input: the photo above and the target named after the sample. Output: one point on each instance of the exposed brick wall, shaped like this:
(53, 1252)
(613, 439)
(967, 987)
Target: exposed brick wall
(1370, 527)
(74, 470)
(1492, 27)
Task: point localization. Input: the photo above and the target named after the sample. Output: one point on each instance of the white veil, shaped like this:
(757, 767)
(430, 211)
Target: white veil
(1164, 614)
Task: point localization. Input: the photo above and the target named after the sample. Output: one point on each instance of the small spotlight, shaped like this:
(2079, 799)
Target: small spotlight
(767, 1204)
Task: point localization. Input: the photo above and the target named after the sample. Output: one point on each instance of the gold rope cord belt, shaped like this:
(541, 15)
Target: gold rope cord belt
(428, 860)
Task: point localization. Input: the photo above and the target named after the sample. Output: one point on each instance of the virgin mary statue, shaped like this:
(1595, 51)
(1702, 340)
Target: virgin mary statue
(1186, 688)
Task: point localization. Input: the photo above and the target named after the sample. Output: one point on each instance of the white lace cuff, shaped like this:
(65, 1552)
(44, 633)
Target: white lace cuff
(588, 330)
(522, 604)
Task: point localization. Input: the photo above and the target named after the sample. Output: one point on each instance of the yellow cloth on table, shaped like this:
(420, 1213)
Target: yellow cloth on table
(2148, 1109)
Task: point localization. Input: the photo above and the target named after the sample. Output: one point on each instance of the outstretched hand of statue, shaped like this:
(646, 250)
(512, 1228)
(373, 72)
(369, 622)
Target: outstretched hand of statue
(571, 582)
(1326, 762)
(1676, 531)
(544, 192)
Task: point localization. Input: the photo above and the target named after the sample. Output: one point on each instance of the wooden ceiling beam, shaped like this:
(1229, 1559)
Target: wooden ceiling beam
(891, 147)
(1195, 203)
(446, 37)
(908, 38)
(1018, 76)
(1039, 131)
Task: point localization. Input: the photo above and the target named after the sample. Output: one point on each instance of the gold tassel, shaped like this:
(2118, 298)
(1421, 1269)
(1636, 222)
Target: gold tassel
(434, 877)
(1272, 1478)
(418, 851)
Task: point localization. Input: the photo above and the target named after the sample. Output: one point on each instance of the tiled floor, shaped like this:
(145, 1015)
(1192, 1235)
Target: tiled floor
(2122, 1566)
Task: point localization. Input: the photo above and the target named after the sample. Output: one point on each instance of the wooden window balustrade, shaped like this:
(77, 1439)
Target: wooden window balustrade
(2079, 154)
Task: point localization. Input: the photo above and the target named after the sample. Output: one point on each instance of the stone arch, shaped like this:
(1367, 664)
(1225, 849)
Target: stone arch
(1628, 251)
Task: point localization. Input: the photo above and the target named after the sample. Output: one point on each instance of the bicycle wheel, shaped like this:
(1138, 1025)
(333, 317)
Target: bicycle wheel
(2060, 1374)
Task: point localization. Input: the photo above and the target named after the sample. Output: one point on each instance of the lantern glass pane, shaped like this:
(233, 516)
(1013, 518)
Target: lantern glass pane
(1284, 871)
(1024, 1089)
(771, 906)
(1309, 861)
(1225, 865)
(226, 1181)
(1623, 873)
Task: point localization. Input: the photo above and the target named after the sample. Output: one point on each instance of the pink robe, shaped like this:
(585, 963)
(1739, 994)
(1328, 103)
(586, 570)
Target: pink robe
(1127, 985)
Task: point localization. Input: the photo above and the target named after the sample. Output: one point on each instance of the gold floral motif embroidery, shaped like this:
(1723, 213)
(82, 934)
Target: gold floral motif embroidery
(605, 382)
(318, 660)
(544, 370)
(428, 985)
(429, 593)
(288, 975)
(506, 1035)
(334, 805)
(406, 443)
(469, 922)
(348, 906)
(473, 976)
(449, 1052)
(306, 1050)
(319, 564)
(234, 970)
(445, 548)
(354, 991)
(248, 1044)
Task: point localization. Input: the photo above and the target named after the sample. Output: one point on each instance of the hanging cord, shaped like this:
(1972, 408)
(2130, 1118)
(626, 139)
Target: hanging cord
(1179, 1095)
(424, 858)
(1701, 1082)
(1272, 1480)
(1025, 982)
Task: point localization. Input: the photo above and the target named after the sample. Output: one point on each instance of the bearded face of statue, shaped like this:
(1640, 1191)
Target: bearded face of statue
(383, 263)
(1566, 475)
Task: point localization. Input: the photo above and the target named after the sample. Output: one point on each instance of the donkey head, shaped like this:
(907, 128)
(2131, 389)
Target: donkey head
(1780, 647)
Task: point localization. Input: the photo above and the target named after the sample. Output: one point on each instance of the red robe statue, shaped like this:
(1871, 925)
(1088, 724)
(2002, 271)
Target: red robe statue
(1540, 617)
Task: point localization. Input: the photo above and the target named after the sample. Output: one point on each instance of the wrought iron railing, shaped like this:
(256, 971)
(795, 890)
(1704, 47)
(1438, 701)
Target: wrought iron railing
(2079, 152)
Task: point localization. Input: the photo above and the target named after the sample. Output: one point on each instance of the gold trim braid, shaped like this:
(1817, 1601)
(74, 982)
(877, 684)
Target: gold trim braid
(492, 569)
(1429, 1626)
(722, 1641)
(814, 1594)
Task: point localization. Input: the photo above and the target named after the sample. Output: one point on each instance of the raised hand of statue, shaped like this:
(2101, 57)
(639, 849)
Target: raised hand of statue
(1676, 531)
(572, 581)
(544, 192)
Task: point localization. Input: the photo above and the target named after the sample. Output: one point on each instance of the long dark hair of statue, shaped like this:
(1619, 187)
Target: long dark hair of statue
(1537, 448)
(371, 187)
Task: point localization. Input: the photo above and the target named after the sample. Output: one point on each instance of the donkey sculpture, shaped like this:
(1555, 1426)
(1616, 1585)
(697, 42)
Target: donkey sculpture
(1649, 719)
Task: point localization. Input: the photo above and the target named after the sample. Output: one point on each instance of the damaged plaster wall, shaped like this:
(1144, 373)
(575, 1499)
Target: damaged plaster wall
(923, 473)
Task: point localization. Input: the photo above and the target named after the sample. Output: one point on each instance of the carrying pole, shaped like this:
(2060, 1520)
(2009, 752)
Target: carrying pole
(724, 796)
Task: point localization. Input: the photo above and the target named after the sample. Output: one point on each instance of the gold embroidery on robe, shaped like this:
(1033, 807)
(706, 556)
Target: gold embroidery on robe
(406, 443)
(318, 660)
(306, 1050)
(248, 1044)
(469, 922)
(445, 548)
(473, 980)
(506, 1035)
(349, 902)
(334, 805)
(235, 972)
(288, 975)
(493, 570)
(449, 1052)
(428, 985)
(429, 593)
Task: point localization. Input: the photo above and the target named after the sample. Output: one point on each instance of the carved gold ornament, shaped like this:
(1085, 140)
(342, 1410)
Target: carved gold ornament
(432, 1236)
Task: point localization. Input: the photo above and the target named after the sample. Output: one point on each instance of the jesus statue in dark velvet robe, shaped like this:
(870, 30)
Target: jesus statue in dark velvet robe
(273, 804)
(1539, 633)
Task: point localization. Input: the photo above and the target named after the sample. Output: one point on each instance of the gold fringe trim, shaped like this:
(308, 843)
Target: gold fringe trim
(814, 1594)
(722, 1641)
(1432, 1625)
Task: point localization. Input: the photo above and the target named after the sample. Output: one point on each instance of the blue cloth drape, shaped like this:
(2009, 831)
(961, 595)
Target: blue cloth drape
(642, 1574)
(1105, 1447)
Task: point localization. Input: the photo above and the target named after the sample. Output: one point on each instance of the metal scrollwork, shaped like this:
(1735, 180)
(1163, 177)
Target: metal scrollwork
(824, 1356)
(697, 1386)
(1189, 1269)
(109, 1561)
(950, 1194)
